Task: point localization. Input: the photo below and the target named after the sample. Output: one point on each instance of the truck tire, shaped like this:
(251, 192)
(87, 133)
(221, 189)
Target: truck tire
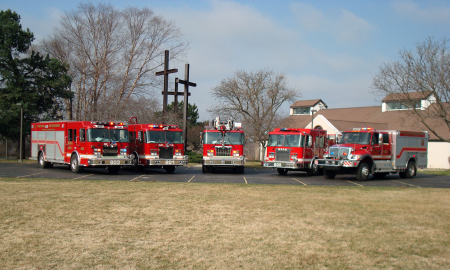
(169, 169)
(410, 170)
(282, 171)
(42, 163)
(329, 174)
(113, 169)
(74, 165)
(363, 172)
(314, 170)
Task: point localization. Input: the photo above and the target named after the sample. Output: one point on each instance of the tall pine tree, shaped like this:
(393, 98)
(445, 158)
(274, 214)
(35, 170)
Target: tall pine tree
(38, 82)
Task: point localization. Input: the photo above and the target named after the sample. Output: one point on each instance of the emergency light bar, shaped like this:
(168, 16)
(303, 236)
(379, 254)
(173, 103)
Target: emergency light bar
(364, 128)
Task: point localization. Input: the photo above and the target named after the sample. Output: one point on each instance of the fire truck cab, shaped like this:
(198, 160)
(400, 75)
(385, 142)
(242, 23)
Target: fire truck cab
(156, 146)
(223, 146)
(295, 149)
(365, 151)
(80, 144)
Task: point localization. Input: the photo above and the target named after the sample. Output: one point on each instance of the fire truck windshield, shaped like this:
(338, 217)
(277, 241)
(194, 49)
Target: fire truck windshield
(107, 135)
(285, 140)
(234, 138)
(164, 136)
(355, 137)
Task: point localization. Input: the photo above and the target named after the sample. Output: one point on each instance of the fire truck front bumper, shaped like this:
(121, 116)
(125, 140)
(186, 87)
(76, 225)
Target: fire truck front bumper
(109, 161)
(224, 161)
(160, 161)
(335, 164)
(281, 164)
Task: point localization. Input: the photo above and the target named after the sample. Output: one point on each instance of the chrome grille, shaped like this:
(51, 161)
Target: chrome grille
(108, 151)
(283, 154)
(337, 152)
(223, 151)
(166, 152)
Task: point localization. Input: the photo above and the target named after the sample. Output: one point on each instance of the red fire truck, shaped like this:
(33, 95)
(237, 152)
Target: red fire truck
(295, 149)
(223, 146)
(80, 144)
(156, 146)
(365, 151)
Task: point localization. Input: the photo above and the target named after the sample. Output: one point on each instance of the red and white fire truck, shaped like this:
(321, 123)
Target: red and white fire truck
(80, 144)
(156, 146)
(223, 146)
(365, 151)
(295, 149)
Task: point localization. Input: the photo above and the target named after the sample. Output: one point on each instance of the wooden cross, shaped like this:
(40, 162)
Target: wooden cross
(166, 73)
(186, 93)
(176, 94)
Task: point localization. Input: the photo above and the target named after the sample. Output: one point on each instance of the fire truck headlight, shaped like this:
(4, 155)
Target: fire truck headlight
(153, 152)
(98, 152)
(210, 153)
(294, 157)
(235, 153)
(177, 152)
(355, 157)
(123, 151)
(271, 155)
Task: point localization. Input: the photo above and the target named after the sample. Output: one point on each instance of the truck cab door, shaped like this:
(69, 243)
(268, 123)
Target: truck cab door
(375, 146)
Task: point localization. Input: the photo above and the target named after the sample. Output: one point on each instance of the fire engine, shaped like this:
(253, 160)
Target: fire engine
(156, 146)
(80, 144)
(365, 151)
(295, 149)
(223, 146)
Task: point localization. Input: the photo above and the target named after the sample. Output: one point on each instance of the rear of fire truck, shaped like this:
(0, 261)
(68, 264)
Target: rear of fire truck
(293, 149)
(156, 146)
(223, 146)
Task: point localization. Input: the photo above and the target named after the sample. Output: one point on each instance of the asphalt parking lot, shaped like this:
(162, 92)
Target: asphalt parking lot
(194, 173)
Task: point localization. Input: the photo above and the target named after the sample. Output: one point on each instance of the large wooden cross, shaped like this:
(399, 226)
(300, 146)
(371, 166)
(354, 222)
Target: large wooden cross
(186, 93)
(176, 94)
(166, 73)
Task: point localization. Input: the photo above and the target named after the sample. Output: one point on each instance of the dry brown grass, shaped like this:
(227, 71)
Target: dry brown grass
(59, 224)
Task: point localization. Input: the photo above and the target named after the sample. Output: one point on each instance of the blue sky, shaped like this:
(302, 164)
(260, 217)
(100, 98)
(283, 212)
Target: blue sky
(329, 50)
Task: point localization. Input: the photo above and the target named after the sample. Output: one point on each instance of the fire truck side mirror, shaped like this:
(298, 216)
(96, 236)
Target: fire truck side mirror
(82, 135)
(201, 138)
(380, 139)
(309, 143)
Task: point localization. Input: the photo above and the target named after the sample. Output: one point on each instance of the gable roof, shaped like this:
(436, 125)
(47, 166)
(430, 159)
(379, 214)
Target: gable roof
(348, 118)
(306, 103)
(407, 96)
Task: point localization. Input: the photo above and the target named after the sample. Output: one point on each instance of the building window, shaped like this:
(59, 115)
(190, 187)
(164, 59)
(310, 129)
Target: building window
(302, 110)
(390, 106)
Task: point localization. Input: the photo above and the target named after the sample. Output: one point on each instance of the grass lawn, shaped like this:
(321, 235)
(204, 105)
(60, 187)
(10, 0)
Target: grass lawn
(64, 224)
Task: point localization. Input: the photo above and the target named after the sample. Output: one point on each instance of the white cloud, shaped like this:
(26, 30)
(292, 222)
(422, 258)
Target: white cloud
(412, 11)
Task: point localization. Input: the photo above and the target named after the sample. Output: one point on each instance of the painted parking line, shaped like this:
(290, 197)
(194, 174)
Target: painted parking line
(299, 181)
(187, 167)
(83, 176)
(255, 169)
(136, 178)
(191, 179)
(354, 183)
(30, 174)
(245, 180)
(406, 184)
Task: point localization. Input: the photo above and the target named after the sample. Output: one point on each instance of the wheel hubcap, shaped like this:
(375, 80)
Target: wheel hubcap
(365, 171)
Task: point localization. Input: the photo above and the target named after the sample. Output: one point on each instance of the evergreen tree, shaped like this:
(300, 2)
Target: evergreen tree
(37, 82)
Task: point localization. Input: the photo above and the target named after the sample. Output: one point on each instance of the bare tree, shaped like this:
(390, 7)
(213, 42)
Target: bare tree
(254, 98)
(420, 74)
(113, 55)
